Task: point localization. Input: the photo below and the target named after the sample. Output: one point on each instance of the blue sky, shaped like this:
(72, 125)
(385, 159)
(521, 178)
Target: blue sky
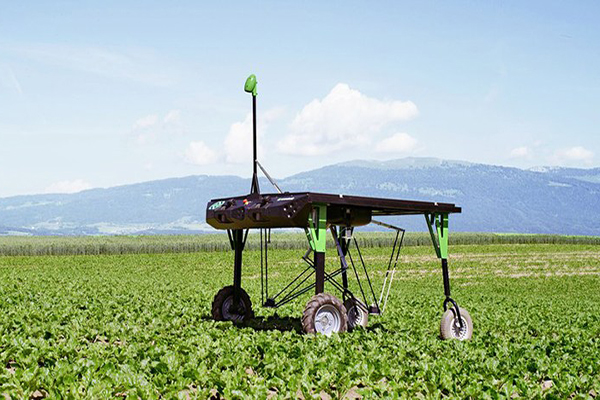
(96, 95)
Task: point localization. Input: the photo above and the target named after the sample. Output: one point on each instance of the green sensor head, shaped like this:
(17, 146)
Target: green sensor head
(250, 85)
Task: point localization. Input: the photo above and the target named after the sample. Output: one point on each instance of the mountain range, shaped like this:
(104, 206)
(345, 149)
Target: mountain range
(493, 199)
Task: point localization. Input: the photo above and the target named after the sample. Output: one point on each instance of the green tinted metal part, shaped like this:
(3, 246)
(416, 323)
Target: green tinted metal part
(440, 241)
(317, 228)
(441, 224)
(250, 85)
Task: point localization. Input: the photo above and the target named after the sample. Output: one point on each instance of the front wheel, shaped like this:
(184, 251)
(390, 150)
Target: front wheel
(358, 315)
(324, 314)
(224, 309)
(450, 327)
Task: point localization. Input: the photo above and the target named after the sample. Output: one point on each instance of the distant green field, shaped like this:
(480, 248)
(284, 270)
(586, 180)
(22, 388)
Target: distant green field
(138, 325)
(68, 245)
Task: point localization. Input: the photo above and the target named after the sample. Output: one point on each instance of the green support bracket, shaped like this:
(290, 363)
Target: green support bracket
(317, 227)
(441, 224)
(440, 241)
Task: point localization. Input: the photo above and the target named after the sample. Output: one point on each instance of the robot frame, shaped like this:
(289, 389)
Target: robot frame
(317, 213)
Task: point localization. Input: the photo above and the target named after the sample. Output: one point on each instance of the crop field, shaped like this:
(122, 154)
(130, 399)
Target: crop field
(139, 326)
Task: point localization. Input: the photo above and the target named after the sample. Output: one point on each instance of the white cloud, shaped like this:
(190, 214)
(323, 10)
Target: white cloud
(73, 186)
(173, 117)
(577, 154)
(238, 143)
(344, 118)
(147, 129)
(146, 122)
(397, 143)
(199, 153)
(520, 152)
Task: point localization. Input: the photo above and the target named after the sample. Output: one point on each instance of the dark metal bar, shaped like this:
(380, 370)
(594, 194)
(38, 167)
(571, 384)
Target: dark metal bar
(230, 238)
(336, 284)
(319, 272)
(308, 260)
(357, 278)
(292, 295)
(446, 277)
(255, 188)
(269, 177)
(262, 290)
(238, 242)
(267, 241)
(343, 247)
(436, 246)
(393, 250)
(362, 261)
(292, 282)
(455, 310)
(386, 225)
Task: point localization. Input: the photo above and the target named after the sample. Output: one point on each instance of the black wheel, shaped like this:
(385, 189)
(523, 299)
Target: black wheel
(324, 314)
(223, 308)
(357, 315)
(450, 328)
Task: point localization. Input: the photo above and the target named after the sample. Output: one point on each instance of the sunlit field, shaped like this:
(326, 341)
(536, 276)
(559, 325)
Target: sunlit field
(139, 325)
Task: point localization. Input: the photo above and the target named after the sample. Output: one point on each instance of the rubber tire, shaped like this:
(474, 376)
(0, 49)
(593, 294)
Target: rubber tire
(350, 304)
(316, 302)
(222, 295)
(446, 331)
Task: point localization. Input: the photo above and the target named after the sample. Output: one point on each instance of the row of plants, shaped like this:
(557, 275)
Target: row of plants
(90, 245)
(139, 326)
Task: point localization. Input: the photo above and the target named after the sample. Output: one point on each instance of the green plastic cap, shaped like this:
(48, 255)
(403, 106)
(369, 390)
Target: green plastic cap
(250, 85)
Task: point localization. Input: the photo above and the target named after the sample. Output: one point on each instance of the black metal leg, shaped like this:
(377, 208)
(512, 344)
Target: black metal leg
(446, 277)
(449, 299)
(344, 247)
(319, 272)
(238, 247)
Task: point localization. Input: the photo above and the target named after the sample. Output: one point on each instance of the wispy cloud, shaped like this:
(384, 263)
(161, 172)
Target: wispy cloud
(575, 155)
(136, 65)
(238, 143)
(8, 79)
(198, 153)
(398, 143)
(149, 127)
(520, 152)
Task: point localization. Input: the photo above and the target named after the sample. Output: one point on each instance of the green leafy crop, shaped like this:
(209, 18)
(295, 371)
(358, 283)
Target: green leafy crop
(139, 326)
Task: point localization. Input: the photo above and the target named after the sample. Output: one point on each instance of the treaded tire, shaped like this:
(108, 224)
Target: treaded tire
(357, 316)
(449, 331)
(224, 298)
(330, 311)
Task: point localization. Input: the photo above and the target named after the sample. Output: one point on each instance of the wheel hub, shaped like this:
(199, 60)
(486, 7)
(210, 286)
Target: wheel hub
(232, 312)
(457, 331)
(327, 320)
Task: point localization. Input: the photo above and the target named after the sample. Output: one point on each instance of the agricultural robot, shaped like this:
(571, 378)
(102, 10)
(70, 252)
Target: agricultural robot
(318, 213)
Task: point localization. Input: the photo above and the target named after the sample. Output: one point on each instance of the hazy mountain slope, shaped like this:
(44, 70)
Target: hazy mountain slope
(499, 199)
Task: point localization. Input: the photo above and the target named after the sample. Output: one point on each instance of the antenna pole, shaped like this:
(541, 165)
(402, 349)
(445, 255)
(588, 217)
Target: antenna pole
(255, 188)
(250, 87)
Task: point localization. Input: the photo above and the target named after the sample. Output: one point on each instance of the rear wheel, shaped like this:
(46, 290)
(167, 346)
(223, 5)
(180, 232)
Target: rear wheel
(324, 314)
(357, 315)
(450, 327)
(224, 309)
